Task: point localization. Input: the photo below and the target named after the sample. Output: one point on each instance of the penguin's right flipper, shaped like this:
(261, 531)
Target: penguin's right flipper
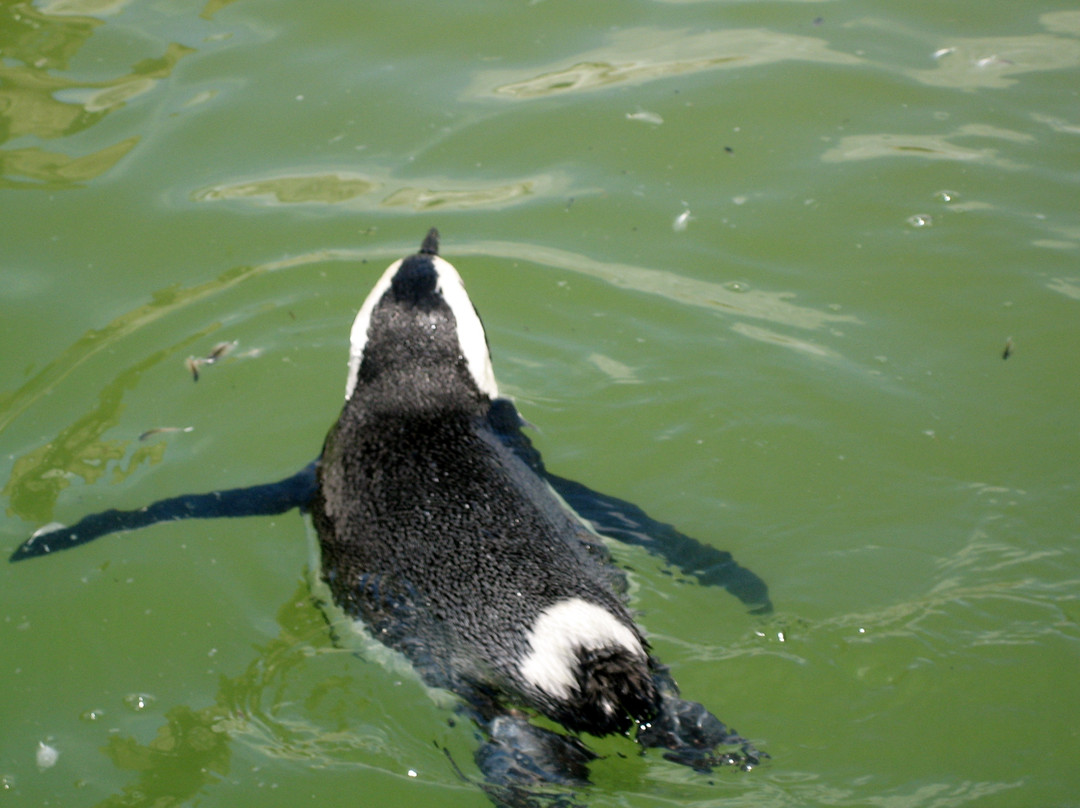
(624, 521)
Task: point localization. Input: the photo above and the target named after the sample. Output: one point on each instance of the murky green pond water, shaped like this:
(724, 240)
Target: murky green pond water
(752, 265)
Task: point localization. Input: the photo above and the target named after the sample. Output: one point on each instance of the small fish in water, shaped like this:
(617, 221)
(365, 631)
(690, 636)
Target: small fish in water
(219, 351)
(192, 365)
(159, 429)
(1008, 348)
(681, 221)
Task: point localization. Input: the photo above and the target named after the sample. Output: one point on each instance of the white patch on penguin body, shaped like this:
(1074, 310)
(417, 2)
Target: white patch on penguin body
(470, 331)
(561, 631)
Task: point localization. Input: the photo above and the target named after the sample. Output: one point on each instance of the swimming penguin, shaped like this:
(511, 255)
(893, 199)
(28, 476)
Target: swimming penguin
(441, 531)
(444, 542)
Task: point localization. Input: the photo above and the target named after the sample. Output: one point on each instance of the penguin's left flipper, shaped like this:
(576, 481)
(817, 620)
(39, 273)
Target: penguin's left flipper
(621, 520)
(268, 499)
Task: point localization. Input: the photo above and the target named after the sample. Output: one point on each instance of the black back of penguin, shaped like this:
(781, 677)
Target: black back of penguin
(448, 547)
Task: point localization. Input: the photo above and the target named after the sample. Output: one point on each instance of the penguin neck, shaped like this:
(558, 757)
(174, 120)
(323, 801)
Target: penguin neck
(431, 392)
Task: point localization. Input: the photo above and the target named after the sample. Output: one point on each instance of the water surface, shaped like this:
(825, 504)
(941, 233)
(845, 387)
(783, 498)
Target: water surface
(753, 266)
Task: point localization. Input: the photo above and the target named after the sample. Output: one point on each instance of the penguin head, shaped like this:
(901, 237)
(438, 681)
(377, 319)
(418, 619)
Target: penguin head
(417, 339)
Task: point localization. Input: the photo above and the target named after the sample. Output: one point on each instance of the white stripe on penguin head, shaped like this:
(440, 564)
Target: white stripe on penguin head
(470, 331)
(358, 335)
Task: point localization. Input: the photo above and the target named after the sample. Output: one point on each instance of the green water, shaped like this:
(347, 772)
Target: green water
(806, 370)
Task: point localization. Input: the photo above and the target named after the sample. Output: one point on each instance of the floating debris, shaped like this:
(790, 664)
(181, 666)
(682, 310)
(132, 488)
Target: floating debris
(681, 221)
(1008, 348)
(644, 115)
(137, 702)
(159, 429)
(46, 755)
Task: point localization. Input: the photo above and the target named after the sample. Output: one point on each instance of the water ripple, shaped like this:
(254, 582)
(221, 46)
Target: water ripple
(927, 147)
(641, 55)
(337, 187)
